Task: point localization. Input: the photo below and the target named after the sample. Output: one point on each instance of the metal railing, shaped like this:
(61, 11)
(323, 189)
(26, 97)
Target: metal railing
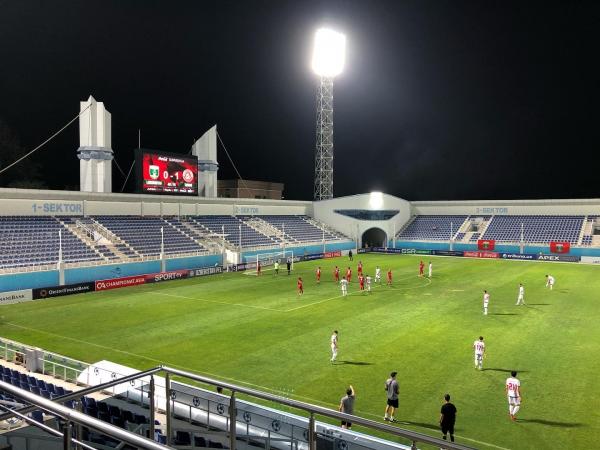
(75, 417)
(309, 409)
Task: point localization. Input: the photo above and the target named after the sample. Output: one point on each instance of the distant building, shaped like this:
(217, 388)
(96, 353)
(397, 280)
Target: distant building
(249, 189)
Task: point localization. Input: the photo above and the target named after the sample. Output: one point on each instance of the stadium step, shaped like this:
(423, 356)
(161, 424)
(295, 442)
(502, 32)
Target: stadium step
(587, 229)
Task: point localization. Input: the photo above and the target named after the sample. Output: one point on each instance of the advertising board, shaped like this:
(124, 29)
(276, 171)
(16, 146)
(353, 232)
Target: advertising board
(6, 298)
(480, 254)
(335, 254)
(447, 253)
(558, 258)
(590, 259)
(205, 271)
(115, 283)
(59, 291)
(167, 276)
(519, 256)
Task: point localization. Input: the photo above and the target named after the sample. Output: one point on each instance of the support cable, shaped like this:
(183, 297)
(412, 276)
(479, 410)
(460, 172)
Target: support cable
(46, 141)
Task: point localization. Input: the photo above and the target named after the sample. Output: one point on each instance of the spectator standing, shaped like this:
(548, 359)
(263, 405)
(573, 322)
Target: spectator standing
(392, 390)
(447, 418)
(347, 406)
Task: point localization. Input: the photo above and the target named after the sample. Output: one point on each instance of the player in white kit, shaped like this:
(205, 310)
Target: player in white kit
(479, 347)
(521, 297)
(430, 269)
(549, 281)
(486, 302)
(334, 345)
(344, 285)
(368, 279)
(377, 274)
(513, 391)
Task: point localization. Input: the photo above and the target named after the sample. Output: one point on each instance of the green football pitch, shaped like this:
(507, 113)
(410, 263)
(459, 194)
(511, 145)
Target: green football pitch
(256, 331)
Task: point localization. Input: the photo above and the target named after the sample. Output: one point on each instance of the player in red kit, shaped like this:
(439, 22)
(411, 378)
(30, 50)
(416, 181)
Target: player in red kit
(349, 274)
(336, 274)
(318, 274)
(359, 269)
(258, 267)
(389, 277)
(361, 282)
(421, 267)
(300, 288)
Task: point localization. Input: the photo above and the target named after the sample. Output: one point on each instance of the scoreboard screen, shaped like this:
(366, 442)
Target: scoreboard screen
(166, 173)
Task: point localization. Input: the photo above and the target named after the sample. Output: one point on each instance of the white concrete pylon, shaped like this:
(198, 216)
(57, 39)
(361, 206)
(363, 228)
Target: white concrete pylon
(95, 153)
(205, 149)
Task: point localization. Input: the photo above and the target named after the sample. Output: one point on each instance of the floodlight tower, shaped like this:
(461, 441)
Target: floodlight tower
(327, 63)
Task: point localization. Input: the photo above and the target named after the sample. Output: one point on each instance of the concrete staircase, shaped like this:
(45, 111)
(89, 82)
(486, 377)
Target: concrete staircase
(587, 229)
(111, 241)
(183, 228)
(269, 230)
(205, 237)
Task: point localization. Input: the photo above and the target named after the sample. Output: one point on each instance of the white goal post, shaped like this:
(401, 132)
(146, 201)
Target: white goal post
(267, 260)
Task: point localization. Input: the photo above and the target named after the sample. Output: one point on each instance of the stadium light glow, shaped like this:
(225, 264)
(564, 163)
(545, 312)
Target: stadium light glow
(329, 53)
(376, 200)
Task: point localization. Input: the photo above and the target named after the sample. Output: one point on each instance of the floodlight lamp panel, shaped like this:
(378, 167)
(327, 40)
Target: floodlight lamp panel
(329, 53)
(376, 200)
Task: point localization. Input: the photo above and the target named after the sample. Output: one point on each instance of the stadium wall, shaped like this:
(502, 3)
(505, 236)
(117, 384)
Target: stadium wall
(33, 202)
(324, 211)
(510, 207)
(32, 280)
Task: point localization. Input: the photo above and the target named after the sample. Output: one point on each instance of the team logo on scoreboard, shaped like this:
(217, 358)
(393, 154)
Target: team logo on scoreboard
(188, 176)
(153, 172)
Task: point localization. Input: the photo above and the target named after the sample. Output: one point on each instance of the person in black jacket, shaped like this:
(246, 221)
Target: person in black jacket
(447, 418)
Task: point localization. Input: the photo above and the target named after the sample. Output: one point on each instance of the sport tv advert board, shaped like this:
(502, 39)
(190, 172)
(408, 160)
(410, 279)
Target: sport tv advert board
(166, 173)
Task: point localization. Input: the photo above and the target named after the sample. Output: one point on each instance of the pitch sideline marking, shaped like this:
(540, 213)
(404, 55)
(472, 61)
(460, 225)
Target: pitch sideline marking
(207, 373)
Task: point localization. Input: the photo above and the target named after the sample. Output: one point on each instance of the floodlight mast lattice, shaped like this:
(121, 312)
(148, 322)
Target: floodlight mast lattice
(328, 62)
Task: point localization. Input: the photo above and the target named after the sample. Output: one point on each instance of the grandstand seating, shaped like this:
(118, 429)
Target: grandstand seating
(298, 228)
(230, 225)
(536, 229)
(34, 241)
(431, 228)
(144, 234)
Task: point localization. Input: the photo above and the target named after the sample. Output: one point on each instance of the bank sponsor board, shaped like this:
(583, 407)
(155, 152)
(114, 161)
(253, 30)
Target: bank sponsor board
(115, 283)
(481, 254)
(364, 250)
(203, 271)
(447, 253)
(519, 256)
(332, 254)
(559, 258)
(24, 295)
(590, 259)
(59, 291)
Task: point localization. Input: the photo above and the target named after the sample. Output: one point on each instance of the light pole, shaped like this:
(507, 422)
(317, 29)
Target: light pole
(328, 61)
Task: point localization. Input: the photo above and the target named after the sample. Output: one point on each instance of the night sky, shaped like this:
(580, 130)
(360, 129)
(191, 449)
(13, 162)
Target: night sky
(439, 99)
